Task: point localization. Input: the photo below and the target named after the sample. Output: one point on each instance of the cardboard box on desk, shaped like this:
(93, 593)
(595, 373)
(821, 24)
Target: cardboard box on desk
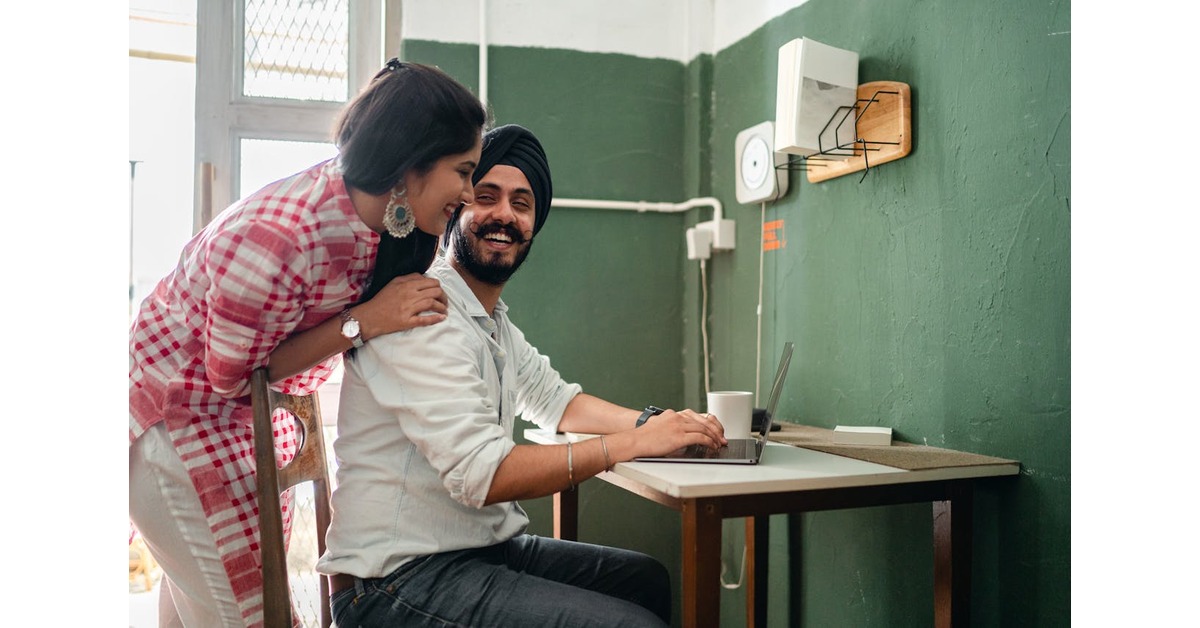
(862, 435)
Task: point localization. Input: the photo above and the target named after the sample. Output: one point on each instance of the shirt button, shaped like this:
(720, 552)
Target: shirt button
(499, 353)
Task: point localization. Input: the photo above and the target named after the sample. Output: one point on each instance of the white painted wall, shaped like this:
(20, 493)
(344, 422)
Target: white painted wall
(735, 19)
(667, 29)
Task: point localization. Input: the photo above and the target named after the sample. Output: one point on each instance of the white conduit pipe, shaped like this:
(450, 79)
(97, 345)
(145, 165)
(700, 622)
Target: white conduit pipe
(638, 206)
(643, 206)
(483, 55)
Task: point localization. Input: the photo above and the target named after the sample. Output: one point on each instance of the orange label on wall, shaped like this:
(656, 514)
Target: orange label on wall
(773, 235)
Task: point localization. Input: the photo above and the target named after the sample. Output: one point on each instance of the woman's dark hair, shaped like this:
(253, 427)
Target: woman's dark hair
(408, 117)
(400, 256)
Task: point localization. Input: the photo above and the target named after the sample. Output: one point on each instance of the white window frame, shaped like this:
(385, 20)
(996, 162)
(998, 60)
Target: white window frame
(224, 117)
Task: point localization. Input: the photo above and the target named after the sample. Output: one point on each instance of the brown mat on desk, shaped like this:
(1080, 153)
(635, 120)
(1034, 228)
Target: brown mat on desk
(900, 455)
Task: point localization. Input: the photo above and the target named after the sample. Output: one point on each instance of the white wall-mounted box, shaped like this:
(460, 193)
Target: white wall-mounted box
(817, 82)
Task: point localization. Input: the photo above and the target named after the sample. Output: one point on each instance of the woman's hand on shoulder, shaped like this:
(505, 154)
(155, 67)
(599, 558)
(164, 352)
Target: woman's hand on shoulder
(407, 301)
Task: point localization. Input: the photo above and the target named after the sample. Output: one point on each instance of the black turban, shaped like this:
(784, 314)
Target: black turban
(514, 145)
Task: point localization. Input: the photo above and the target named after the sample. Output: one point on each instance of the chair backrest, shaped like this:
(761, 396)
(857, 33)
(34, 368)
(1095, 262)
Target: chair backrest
(308, 465)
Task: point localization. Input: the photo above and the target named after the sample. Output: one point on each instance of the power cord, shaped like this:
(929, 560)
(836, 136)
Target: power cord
(759, 310)
(757, 373)
(704, 320)
(741, 573)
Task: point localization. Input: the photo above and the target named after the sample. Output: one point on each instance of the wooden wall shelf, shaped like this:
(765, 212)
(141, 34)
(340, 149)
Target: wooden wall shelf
(883, 129)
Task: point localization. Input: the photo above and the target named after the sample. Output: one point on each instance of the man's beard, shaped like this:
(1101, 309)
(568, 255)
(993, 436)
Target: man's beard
(491, 271)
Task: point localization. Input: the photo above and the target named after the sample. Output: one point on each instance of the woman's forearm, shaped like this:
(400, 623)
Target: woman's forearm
(300, 352)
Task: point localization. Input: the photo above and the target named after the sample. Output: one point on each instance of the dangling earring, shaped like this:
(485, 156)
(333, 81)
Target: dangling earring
(398, 216)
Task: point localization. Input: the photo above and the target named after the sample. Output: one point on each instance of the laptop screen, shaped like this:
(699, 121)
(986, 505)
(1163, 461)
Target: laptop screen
(776, 389)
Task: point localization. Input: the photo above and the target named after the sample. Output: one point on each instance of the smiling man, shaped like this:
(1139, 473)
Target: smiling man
(426, 527)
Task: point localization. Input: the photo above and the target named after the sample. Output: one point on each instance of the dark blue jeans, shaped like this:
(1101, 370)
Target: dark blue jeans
(527, 581)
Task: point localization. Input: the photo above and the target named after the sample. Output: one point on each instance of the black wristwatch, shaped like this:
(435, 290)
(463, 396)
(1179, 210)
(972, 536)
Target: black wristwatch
(647, 413)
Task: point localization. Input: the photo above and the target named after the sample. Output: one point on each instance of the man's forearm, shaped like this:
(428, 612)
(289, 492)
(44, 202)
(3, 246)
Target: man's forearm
(531, 471)
(592, 415)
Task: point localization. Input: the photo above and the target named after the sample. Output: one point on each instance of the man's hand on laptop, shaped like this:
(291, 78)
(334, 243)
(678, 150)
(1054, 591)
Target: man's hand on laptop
(668, 432)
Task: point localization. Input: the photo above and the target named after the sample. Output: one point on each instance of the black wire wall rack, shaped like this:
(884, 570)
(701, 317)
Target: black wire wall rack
(881, 121)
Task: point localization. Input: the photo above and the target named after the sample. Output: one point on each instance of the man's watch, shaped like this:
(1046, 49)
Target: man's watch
(351, 329)
(647, 413)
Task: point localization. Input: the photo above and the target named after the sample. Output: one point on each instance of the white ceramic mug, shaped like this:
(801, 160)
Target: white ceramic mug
(734, 409)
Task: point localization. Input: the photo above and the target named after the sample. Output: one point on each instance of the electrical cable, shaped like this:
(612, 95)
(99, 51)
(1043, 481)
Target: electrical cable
(704, 349)
(704, 339)
(757, 377)
(483, 54)
(707, 376)
(759, 310)
(704, 320)
(741, 573)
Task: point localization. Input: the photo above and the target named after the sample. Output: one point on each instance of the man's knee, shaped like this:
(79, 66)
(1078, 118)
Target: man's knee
(655, 587)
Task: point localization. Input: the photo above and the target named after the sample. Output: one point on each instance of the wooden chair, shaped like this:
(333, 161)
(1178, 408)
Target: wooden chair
(308, 465)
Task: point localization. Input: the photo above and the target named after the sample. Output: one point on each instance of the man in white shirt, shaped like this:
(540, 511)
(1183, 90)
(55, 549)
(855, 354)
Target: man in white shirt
(426, 528)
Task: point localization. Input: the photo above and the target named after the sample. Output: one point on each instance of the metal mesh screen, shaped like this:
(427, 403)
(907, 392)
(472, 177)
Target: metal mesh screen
(302, 558)
(297, 49)
(302, 546)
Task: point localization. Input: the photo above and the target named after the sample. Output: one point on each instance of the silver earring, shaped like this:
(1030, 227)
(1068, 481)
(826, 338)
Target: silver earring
(398, 216)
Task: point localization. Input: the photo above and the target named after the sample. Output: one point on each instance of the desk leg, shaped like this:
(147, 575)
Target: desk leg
(701, 563)
(566, 515)
(758, 541)
(952, 557)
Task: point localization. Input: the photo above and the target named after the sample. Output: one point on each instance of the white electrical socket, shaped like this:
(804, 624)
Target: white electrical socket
(699, 243)
(724, 233)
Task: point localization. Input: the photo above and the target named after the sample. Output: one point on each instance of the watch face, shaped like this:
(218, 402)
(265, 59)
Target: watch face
(350, 329)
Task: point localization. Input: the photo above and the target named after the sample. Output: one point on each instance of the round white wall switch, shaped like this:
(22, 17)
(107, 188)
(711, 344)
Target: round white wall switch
(758, 178)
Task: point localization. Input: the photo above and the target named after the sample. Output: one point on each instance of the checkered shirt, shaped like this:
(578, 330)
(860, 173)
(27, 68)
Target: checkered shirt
(278, 262)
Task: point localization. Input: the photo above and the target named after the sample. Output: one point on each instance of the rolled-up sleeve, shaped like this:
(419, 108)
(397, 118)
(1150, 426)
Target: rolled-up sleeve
(542, 394)
(256, 279)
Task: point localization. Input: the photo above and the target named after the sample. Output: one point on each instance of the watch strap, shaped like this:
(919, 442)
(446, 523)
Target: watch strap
(647, 413)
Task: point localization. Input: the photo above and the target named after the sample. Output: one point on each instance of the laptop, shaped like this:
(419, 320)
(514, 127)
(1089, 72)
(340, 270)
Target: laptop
(738, 450)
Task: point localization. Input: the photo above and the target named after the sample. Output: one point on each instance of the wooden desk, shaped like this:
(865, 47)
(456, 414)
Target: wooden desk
(795, 479)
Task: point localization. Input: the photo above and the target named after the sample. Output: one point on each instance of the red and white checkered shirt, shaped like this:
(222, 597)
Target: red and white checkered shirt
(278, 262)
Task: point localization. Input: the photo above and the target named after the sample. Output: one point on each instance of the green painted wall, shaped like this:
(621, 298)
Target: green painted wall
(934, 296)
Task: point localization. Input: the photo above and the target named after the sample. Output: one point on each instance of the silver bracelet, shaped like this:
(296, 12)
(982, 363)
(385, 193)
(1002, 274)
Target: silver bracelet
(607, 461)
(570, 466)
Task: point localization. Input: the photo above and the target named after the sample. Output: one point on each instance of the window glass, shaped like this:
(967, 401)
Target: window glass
(264, 161)
(297, 49)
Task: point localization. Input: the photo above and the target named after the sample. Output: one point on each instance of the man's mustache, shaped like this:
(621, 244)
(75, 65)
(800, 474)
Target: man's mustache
(494, 227)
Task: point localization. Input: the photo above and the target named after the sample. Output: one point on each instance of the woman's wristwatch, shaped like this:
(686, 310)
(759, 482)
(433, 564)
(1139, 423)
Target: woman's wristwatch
(647, 413)
(351, 330)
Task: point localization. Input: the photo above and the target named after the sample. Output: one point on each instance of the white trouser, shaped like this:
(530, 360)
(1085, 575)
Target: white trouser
(167, 512)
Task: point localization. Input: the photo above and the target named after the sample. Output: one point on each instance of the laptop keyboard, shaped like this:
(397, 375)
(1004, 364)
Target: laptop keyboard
(700, 451)
(732, 450)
